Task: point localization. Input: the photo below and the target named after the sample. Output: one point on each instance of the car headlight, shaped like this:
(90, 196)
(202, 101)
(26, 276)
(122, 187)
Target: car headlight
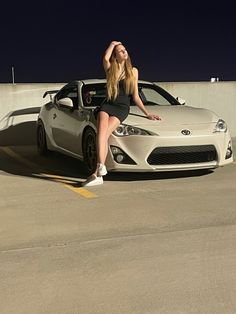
(220, 126)
(125, 130)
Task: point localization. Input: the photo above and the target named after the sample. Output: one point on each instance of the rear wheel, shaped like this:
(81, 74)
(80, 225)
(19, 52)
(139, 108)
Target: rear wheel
(90, 150)
(41, 139)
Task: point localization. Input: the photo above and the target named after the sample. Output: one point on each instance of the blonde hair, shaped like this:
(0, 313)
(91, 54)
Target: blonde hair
(113, 79)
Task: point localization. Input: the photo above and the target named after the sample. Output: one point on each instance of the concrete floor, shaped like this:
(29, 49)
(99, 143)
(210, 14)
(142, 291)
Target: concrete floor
(141, 243)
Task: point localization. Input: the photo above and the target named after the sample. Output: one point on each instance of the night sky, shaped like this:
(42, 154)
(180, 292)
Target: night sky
(59, 41)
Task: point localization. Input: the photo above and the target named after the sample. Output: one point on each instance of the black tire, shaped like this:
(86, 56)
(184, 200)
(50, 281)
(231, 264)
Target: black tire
(41, 139)
(90, 150)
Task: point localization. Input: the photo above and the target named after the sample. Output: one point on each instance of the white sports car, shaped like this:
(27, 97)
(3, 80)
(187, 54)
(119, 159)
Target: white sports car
(185, 138)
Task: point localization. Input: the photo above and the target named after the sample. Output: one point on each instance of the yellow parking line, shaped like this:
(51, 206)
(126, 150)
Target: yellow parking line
(82, 191)
(79, 190)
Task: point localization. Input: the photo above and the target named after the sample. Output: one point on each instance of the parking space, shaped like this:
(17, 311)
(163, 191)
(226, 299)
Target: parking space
(139, 243)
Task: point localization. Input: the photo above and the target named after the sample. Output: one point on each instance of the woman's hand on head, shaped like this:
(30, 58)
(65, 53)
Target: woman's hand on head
(115, 43)
(153, 117)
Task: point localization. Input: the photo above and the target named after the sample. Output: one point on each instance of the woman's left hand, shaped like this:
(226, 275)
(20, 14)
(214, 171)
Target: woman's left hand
(153, 117)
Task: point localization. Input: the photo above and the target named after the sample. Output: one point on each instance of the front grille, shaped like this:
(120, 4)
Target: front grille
(182, 155)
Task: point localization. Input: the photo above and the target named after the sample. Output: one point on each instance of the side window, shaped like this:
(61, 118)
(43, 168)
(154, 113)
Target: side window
(93, 95)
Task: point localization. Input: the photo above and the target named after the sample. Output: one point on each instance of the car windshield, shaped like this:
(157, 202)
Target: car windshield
(153, 95)
(94, 95)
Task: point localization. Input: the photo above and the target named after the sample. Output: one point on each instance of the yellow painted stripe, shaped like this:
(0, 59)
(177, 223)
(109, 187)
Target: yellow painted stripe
(53, 176)
(81, 191)
(63, 181)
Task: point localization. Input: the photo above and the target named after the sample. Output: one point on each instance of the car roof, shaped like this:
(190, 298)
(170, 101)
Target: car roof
(96, 81)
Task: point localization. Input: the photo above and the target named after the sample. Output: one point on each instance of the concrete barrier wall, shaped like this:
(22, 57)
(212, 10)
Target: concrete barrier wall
(21, 96)
(219, 97)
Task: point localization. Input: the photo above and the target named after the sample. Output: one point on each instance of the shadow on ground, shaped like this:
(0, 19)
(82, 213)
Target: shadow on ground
(25, 161)
(145, 176)
(21, 134)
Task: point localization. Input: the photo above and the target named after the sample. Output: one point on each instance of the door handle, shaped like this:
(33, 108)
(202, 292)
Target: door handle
(54, 116)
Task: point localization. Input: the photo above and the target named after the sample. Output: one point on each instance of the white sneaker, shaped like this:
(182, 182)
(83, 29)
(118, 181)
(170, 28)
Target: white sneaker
(102, 170)
(93, 180)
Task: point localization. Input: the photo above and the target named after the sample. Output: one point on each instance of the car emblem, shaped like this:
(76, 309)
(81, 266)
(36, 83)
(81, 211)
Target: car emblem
(185, 132)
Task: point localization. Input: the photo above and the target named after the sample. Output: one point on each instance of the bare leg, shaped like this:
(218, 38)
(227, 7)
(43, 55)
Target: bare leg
(106, 125)
(103, 119)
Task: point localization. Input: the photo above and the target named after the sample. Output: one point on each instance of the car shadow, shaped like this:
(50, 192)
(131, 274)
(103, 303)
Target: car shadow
(53, 167)
(21, 134)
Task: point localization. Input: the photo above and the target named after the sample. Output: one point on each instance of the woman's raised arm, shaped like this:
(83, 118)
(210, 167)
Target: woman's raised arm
(108, 52)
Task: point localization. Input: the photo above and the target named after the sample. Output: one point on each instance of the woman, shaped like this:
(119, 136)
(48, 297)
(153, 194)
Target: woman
(122, 81)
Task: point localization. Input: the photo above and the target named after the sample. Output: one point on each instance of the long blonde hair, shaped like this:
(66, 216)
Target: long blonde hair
(113, 79)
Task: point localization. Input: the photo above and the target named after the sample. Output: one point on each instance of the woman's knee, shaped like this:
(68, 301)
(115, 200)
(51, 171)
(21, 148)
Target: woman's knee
(112, 125)
(103, 117)
(103, 124)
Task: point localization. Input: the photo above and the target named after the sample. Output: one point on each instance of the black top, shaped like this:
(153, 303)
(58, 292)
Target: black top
(122, 98)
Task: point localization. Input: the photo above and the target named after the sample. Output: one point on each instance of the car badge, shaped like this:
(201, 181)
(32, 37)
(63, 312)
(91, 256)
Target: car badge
(185, 132)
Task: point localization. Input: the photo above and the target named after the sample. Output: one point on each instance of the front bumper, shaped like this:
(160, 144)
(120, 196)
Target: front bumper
(139, 148)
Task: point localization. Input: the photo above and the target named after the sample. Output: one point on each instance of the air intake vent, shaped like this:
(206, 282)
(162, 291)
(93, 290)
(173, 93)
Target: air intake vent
(182, 155)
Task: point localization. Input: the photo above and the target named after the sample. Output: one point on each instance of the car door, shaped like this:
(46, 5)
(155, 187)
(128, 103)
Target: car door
(66, 120)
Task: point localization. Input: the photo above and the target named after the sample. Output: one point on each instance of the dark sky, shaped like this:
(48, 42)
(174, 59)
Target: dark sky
(59, 41)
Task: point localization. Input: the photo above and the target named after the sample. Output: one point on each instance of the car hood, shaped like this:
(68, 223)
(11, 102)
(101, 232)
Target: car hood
(171, 115)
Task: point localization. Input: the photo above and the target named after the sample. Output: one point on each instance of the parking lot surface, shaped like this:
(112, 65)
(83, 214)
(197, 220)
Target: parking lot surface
(139, 243)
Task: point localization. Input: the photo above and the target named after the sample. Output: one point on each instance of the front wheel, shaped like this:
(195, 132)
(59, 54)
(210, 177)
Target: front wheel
(41, 140)
(90, 150)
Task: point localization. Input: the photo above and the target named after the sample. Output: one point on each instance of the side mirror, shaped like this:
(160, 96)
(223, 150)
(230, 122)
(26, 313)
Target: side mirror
(181, 100)
(66, 102)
